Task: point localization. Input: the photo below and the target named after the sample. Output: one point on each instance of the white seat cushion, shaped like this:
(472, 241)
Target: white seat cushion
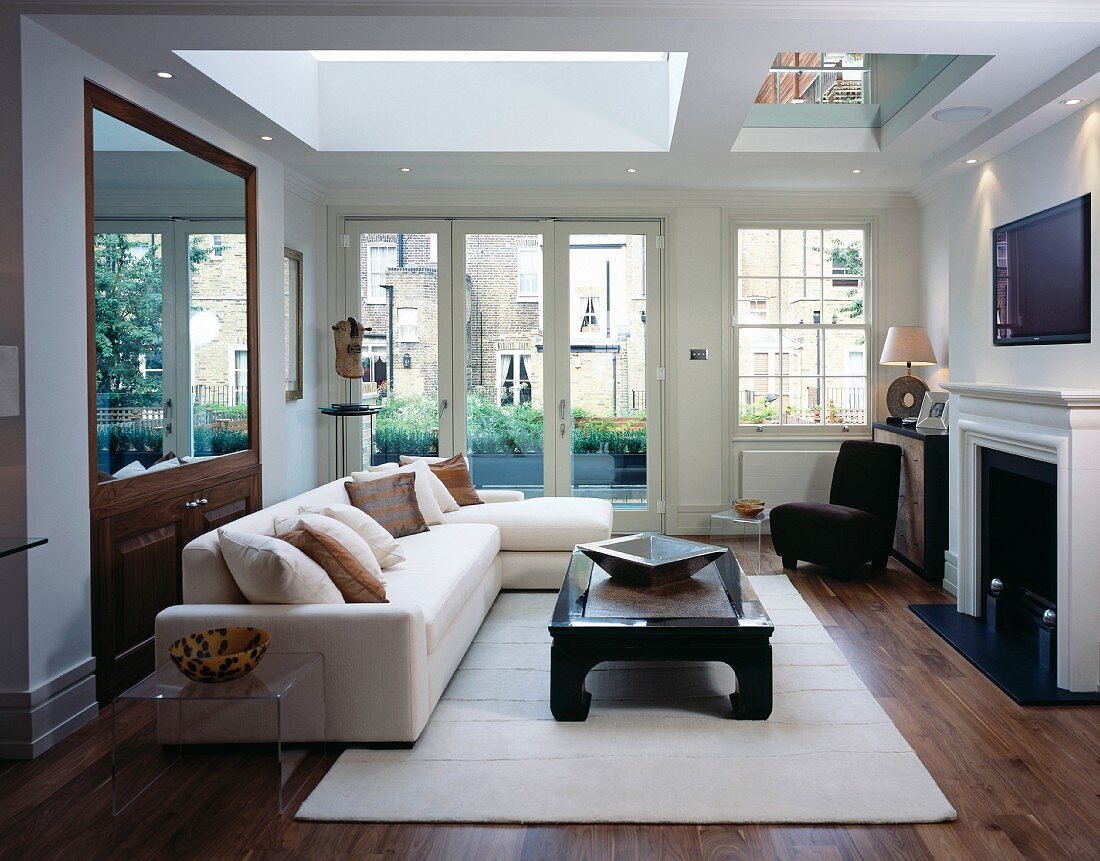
(442, 569)
(549, 523)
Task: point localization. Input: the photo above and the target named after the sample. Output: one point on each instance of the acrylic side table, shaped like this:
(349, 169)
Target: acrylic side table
(724, 519)
(274, 677)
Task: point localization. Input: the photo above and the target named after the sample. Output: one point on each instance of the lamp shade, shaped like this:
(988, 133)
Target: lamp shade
(907, 345)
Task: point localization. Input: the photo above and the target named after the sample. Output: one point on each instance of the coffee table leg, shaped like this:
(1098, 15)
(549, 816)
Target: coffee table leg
(753, 699)
(569, 701)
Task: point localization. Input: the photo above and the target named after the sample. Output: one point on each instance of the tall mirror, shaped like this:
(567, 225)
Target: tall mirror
(170, 277)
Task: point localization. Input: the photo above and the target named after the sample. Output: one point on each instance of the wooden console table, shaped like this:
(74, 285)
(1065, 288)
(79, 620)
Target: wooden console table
(920, 540)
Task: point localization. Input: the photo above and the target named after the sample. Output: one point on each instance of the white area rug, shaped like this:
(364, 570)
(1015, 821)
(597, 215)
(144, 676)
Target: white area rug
(659, 744)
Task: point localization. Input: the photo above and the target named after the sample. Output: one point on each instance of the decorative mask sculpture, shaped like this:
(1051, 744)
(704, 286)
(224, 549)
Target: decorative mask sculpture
(349, 348)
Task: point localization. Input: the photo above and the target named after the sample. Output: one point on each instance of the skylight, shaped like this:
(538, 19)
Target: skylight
(490, 56)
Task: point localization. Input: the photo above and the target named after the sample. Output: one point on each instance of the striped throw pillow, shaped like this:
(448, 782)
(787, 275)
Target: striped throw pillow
(391, 501)
(455, 475)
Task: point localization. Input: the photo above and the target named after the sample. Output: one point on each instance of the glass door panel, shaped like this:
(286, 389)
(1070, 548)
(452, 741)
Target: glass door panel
(132, 393)
(217, 311)
(399, 306)
(505, 373)
(613, 306)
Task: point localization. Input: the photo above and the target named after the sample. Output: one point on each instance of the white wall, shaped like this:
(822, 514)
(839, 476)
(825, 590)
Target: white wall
(935, 243)
(307, 431)
(1060, 163)
(1056, 165)
(58, 611)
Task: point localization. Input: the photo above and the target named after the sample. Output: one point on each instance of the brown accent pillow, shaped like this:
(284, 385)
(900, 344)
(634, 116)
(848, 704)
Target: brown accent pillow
(348, 574)
(455, 475)
(167, 456)
(391, 501)
(102, 476)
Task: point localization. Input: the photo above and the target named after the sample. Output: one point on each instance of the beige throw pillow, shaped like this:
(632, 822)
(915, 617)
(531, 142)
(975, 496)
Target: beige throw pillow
(425, 494)
(347, 537)
(442, 493)
(391, 500)
(387, 550)
(270, 571)
(357, 584)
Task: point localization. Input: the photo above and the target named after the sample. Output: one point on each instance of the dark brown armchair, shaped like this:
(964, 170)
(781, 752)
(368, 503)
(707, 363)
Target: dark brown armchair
(857, 525)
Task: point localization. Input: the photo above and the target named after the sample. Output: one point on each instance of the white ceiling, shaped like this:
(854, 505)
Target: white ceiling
(1039, 55)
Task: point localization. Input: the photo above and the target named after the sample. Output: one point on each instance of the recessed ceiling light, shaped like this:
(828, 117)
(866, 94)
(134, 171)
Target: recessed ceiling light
(856, 170)
(1072, 102)
(971, 161)
(165, 75)
(798, 101)
(963, 114)
(406, 169)
(632, 170)
(266, 137)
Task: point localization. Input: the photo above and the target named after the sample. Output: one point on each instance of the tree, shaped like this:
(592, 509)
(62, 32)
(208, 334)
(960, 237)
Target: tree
(850, 258)
(129, 311)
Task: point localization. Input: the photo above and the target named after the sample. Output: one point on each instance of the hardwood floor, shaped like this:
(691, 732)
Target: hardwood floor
(1025, 781)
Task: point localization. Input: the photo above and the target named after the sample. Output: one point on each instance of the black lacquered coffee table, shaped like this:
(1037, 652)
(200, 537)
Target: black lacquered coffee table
(714, 616)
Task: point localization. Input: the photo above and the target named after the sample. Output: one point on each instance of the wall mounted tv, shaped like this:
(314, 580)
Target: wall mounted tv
(1042, 277)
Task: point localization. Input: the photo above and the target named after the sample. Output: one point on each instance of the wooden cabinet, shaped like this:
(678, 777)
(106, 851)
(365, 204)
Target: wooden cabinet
(137, 569)
(920, 539)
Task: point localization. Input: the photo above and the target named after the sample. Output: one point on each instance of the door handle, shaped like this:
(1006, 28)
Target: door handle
(443, 407)
(561, 409)
(195, 503)
(563, 430)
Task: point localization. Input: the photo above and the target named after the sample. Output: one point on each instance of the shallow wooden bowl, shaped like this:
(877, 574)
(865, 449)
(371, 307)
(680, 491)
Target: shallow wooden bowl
(748, 506)
(220, 654)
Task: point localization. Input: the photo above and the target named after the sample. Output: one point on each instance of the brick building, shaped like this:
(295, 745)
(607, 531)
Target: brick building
(219, 315)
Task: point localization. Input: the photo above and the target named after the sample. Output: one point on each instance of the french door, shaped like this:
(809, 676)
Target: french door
(532, 346)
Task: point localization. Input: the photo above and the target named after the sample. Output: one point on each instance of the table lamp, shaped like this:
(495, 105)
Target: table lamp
(907, 345)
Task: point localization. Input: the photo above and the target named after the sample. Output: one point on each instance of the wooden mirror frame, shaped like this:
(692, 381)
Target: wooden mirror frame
(113, 493)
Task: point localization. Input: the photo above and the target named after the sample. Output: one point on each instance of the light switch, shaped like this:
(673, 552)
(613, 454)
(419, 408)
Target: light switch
(698, 354)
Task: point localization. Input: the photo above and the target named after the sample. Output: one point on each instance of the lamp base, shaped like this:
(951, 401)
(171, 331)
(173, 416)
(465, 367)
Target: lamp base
(905, 396)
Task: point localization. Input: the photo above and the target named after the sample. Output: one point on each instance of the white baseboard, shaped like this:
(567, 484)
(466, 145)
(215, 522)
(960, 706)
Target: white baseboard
(33, 721)
(951, 573)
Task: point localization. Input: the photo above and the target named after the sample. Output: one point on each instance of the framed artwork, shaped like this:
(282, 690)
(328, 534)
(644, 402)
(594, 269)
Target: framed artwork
(292, 322)
(933, 412)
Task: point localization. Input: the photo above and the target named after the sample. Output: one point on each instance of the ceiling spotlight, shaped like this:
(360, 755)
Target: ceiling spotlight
(1072, 102)
(406, 169)
(798, 101)
(632, 170)
(856, 170)
(266, 137)
(165, 75)
(964, 114)
(971, 161)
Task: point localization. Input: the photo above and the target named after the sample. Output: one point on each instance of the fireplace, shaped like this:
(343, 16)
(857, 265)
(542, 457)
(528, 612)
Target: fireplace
(1024, 559)
(1019, 541)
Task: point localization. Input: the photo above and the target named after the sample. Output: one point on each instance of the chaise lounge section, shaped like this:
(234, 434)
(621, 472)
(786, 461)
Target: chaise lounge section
(386, 665)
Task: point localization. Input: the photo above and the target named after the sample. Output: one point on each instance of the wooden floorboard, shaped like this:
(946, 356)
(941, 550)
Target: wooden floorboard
(1025, 781)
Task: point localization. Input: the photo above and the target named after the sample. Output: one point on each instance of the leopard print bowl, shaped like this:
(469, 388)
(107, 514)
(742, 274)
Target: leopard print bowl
(220, 654)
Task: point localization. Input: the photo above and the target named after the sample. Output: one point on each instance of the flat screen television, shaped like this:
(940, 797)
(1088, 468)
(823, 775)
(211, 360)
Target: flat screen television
(1042, 274)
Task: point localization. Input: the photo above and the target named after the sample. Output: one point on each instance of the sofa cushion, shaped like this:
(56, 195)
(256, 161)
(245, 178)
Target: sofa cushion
(548, 523)
(268, 570)
(442, 569)
(425, 492)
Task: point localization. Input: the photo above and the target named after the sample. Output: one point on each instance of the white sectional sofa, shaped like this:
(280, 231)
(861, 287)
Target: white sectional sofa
(386, 665)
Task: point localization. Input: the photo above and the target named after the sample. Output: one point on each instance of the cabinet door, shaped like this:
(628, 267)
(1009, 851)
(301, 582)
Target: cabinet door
(225, 503)
(137, 575)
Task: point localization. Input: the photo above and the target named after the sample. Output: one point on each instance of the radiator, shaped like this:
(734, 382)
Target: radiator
(787, 476)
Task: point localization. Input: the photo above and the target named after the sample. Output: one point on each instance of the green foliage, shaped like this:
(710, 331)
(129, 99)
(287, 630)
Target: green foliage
(759, 412)
(129, 308)
(410, 426)
(850, 257)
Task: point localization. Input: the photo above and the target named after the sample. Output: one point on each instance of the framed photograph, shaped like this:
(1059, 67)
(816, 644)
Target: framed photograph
(292, 322)
(933, 412)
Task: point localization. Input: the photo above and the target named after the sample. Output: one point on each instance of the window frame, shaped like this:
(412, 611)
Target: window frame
(737, 374)
(370, 298)
(517, 365)
(522, 250)
(398, 335)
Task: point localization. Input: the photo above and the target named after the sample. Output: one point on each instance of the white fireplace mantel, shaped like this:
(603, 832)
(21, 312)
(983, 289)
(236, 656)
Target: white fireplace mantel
(1060, 426)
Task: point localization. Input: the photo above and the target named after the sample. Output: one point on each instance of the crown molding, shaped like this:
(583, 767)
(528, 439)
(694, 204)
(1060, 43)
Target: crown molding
(538, 202)
(929, 192)
(303, 187)
(1045, 11)
(1042, 396)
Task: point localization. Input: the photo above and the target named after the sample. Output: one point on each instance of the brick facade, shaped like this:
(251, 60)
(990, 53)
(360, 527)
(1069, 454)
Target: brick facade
(219, 284)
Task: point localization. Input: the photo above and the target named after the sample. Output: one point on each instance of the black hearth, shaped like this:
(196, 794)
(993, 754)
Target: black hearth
(1014, 641)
